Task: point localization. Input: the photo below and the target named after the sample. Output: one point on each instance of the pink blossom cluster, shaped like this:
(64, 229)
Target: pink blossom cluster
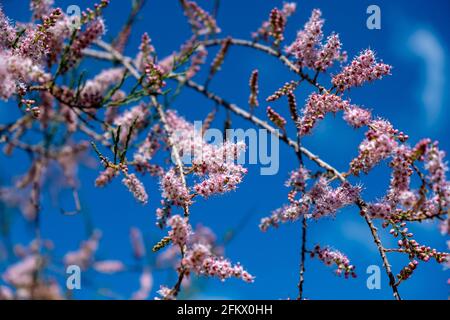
(364, 68)
(320, 201)
(297, 179)
(94, 30)
(357, 117)
(275, 25)
(399, 190)
(201, 21)
(215, 165)
(284, 214)
(145, 285)
(329, 53)
(200, 260)
(413, 248)
(137, 243)
(40, 8)
(437, 167)
(174, 190)
(108, 266)
(134, 119)
(198, 253)
(379, 144)
(317, 106)
(328, 201)
(93, 92)
(16, 71)
(414, 202)
(21, 275)
(330, 256)
(35, 42)
(106, 176)
(7, 31)
(304, 48)
(136, 187)
(180, 230)
(308, 49)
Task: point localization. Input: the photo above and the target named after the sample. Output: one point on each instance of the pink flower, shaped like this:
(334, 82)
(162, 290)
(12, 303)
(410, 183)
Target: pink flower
(201, 21)
(40, 8)
(363, 68)
(329, 257)
(297, 179)
(200, 260)
(329, 53)
(165, 293)
(275, 25)
(106, 177)
(109, 266)
(379, 144)
(284, 214)
(21, 273)
(94, 90)
(382, 210)
(328, 201)
(174, 190)
(93, 31)
(137, 117)
(317, 106)
(437, 168)
(305, 46)
(357, 117)
(146, 284)
(137, 243)
(7, 31)
(136, 187)
(401, 173)
(181, 230)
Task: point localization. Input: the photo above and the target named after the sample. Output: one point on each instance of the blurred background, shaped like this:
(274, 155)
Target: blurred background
(414, 38)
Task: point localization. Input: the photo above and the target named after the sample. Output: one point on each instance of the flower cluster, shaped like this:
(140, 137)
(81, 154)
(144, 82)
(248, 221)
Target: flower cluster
(7, 31)
(276, 118)
(201, 21)
(437, 168)
(308, 49)
(21, 276)
(180, 230)
(330, 256)
(253, 84)
(380, 143)
(328, 201)
(320, 201)
(274, 27)
(199, 257)
(93, 92)
(317, 106)
(215, 165)
(363, 68)
(287, 87)
(94, 30)
(357, 117)
(35, 43)
(136, 187)
(174, 190)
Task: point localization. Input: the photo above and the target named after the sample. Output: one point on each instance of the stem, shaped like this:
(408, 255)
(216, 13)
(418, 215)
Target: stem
(363, 209)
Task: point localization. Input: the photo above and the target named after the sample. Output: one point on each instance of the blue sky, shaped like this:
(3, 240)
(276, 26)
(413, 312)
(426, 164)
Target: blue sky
(414, 38)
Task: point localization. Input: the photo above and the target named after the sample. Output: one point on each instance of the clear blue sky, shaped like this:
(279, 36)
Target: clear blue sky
(414, 38)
